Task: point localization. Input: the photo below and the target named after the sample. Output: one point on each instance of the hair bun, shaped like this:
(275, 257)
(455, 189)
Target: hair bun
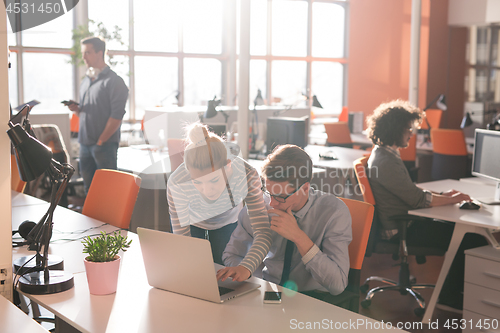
(195, 134)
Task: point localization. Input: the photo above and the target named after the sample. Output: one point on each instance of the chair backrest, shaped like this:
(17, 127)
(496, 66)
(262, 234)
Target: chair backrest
(17, 184)
(410, 153)
(175, 152)
(344, 115)
(360, 166)
(362, 217)
(111, 197)
(434, 117)
(74, 124)
(338, 133)
(448, 142)
(50, 135)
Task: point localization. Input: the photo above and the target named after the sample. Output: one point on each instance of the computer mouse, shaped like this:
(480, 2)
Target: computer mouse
(469, 205)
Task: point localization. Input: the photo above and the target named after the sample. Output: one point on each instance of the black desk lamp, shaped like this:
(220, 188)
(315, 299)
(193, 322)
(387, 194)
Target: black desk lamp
(259, 100)
(316, 103)
(33, 159)
(212, 111)
(440, 101)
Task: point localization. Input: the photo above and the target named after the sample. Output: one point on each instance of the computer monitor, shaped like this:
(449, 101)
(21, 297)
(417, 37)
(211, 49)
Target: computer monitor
(286, 130)
(486, 160)
(219, 129)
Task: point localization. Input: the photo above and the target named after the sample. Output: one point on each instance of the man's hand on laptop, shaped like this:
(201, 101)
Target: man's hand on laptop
(238, 273)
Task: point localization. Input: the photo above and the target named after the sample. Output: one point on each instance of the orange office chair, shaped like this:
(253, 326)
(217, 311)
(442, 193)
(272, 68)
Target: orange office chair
(434, 117)
(111, 197)
(338, 134)
(74, 125)
(409, 157)
(362, 217)
(175, 152)
(17, 184)
(449, 158)
(344, 115)
(406, 283)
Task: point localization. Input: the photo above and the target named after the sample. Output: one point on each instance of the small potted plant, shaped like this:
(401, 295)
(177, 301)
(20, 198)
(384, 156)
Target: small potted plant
(103, 262)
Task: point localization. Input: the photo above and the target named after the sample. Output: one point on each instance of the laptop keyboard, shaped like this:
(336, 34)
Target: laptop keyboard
(223, 290)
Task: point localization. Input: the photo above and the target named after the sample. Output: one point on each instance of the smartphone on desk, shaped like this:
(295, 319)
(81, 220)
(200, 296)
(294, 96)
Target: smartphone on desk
(272, 297)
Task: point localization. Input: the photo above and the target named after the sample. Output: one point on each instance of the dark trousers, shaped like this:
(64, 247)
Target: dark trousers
(430, 233)
(218, 239)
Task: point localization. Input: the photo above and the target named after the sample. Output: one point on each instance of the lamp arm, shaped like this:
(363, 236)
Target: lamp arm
(430, 104)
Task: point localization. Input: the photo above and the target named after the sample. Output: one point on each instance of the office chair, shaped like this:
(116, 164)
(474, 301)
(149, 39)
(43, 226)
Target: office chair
(406, 283)
(338, 134)
(112, 196)
(362, 217)
(16, 183)
(175, 152)
(344, 115)
(449, 154)
(74, 125)
(409, 157)
(50, 135)
(433, 117)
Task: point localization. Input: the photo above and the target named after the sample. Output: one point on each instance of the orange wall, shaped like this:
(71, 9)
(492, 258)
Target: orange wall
(379, 52)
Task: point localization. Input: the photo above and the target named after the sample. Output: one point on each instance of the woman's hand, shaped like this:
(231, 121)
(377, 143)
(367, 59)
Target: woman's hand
(238, 273)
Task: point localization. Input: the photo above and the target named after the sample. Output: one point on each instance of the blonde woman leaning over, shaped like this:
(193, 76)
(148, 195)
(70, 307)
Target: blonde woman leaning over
(206, 193)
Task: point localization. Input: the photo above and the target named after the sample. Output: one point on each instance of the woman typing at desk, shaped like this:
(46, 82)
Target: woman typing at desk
(206, 193)
(390, 128)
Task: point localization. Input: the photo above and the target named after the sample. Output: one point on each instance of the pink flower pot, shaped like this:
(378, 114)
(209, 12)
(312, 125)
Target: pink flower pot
(102, 276)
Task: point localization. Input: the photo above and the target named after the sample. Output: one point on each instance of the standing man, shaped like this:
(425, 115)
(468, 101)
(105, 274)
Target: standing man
(311, 230)
(103, 95)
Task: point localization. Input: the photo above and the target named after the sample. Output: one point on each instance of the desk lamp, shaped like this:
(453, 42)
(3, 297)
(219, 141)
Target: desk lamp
(212, 111)
(33, 159)
(259, 100)
(440, 101)
(467, 120)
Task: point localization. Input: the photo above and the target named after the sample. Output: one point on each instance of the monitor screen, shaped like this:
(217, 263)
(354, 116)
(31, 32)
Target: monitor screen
(219, 129)
(286, 130)
(486, 159)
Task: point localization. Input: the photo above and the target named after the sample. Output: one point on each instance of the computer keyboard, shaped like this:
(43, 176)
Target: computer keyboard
(224, 290)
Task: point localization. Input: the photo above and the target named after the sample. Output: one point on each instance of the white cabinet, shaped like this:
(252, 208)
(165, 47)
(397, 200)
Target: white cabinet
(482, 289)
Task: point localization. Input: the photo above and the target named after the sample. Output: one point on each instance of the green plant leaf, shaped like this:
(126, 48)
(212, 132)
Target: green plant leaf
(105, 247)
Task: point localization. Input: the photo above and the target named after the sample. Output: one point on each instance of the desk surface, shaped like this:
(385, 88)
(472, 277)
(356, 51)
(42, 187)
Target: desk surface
(488, 216)
(20, 199)
(69, 228)
(12, 319)
(136, 307)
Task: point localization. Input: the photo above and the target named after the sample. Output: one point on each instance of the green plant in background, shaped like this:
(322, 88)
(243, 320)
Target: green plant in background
(104, 247)
(96, 29)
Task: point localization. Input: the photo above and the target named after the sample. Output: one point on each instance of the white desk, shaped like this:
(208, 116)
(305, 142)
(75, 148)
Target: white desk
(483, 221)
(12, 319)
(136, 307)
(69, 228)
(21, 199)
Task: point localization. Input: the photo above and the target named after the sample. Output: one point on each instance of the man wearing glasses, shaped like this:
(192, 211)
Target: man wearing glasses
(311, 229)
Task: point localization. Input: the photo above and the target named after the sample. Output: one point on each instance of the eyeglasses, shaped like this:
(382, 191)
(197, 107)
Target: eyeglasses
(278, 198)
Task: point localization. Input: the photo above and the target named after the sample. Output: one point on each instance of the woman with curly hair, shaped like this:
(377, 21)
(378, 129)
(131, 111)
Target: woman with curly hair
(390, 127)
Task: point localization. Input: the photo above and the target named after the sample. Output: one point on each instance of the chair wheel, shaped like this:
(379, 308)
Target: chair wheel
(413, 280)
(419, 312)
(364, 288)
(366, 303)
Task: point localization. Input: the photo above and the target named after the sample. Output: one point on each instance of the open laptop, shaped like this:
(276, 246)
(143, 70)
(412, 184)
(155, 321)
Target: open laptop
(184, 265)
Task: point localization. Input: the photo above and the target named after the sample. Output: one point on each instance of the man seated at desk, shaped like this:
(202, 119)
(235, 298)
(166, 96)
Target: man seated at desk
(390, 127)
(311, 229)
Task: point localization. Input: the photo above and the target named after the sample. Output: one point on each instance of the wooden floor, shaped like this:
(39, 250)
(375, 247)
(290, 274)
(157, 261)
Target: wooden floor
(391, 306)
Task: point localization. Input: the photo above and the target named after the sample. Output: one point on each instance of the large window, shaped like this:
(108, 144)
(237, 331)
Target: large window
(189, 49)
